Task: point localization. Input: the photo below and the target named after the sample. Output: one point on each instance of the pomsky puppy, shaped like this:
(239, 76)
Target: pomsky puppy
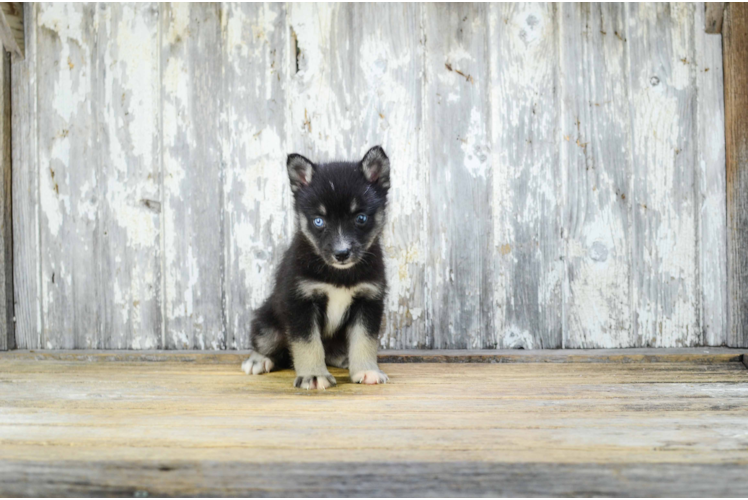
(327, 304)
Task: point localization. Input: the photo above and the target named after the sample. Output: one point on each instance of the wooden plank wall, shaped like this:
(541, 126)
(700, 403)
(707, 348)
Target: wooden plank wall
(735, 29)
(558, 169)
(7, 324)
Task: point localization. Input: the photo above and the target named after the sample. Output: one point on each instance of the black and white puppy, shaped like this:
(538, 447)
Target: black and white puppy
(327, 304)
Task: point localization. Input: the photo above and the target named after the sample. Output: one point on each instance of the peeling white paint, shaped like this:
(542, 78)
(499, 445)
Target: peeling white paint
(537, 199)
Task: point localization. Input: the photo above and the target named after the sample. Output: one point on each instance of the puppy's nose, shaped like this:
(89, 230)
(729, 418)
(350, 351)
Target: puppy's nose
(342, 255)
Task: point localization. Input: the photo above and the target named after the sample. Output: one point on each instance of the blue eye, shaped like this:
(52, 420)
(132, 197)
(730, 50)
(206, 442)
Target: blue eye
(361, 219)
(318, 221)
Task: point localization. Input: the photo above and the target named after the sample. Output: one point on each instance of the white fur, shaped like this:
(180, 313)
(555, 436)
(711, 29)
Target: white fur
(362, 356)
(338, 299)
(256, 364)
(370, 377)
(309, 357)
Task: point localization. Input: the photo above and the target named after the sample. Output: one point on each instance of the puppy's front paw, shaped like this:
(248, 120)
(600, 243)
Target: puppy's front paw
(315, 381)
(256, 364)
(370, 377)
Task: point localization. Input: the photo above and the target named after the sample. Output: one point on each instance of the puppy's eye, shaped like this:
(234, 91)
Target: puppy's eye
(361, 219)
(318, 222)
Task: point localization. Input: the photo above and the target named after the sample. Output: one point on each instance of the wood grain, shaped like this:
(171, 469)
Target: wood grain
(558, 171)
(714, 13)
(595, 150)
(257, 213)
(26, 207)
(665, 253)
(735, 40)
(7, 316)
(129, 209)
(69, 176)
(710, 186)
(192, 170)
(456, 107)
(193, 431)
(11, 27)
(527, 176)
(364, 479)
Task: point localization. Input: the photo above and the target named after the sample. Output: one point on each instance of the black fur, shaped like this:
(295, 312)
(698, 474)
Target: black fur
(329, 192)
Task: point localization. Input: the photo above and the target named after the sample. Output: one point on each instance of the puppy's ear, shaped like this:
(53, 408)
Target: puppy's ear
(300, 171)
(376, 167)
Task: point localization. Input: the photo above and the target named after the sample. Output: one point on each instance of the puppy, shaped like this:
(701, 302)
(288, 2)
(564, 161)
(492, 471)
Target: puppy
(327, 304)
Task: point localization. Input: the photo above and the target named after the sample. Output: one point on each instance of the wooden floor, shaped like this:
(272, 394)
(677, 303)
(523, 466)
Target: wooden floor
(192, 425)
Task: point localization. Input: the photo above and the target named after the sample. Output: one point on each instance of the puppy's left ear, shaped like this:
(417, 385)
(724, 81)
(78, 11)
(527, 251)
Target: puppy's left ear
(376, 167)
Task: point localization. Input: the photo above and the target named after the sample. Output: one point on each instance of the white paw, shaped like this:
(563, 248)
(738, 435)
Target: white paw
(315, 381)
(256, 364)
(370, 377)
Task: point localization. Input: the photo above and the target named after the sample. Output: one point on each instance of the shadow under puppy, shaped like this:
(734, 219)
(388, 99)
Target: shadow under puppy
(327, 304)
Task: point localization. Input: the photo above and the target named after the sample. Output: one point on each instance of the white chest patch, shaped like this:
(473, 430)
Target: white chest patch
(338, 299)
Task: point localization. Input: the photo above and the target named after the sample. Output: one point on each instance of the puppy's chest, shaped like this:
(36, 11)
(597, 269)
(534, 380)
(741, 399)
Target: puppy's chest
(338, 302)
(338, 299)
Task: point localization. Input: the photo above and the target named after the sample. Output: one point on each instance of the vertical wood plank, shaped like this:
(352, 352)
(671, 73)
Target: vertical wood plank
(712, 19)
(527, 180)
(26, 244)
(456, 118)
(193, 242)
(7, 330)
(735, 51)
(595, 153)
(355, 83)
(711, 189)
(68, 176)
(666, 296)
(258, 212)
(130, 202)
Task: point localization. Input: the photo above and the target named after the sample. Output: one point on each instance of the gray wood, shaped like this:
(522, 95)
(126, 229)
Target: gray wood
(257, 215)
(527, 188)
(192, 169)
(26, 236)
(455, 120)
(129, 205)
(710, 189)
(69, 176)
(364, 479)
(714, 15)
(11, 27)
(735, 40)
(665, 255)
(595, 151)
(7, 326)
(359, 84)
(508, 225)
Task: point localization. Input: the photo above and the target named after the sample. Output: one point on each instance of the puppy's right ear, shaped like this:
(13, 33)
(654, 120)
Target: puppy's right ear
(300, 171)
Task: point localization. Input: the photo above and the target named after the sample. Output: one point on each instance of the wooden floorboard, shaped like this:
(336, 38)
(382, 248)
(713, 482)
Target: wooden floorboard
(80, 428)
(703, 355)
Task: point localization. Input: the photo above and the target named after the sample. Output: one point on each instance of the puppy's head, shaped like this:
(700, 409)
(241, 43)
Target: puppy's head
(340, 207)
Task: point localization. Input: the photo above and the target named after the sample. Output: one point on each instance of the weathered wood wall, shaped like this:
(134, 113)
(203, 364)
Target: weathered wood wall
(558, 169)
(736, 132)
(7, 325)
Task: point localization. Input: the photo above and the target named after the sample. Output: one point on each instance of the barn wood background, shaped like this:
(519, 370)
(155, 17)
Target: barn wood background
(558, 170)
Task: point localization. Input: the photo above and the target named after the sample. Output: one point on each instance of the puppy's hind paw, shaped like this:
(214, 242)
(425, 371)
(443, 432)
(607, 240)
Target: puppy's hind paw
(256, 364)
(315, 381)
(370, 377)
